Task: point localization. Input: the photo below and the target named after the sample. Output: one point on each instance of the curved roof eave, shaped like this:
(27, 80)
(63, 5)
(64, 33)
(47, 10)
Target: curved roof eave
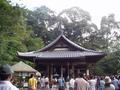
(60, 54)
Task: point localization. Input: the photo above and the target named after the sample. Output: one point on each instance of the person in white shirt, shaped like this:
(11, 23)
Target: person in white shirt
(5, 77)
(47, 83)
(92, 83)
(72, 81)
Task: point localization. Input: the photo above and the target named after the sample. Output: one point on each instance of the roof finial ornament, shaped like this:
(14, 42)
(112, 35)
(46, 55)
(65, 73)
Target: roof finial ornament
(60, 27)
(62, 32)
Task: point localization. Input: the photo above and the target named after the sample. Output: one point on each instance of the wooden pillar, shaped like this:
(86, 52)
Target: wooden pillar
(34, 61)
(50, 74)
(73, 70)
(68, 70)
(51, 71)
(61, 71)
(94, 68)
(48, 71)
(87, 71)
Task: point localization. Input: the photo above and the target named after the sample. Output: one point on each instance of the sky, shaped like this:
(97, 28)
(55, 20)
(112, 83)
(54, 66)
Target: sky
(96, 8)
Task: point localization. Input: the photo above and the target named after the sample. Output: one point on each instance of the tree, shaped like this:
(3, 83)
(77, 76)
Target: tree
(77, 25)
(41, 21)
(109, 33)
(13, 32)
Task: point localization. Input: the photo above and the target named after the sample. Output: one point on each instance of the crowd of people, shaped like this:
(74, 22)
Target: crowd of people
(80, 82)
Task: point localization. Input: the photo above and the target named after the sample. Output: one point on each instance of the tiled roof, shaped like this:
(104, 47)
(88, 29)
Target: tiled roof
(61, 54)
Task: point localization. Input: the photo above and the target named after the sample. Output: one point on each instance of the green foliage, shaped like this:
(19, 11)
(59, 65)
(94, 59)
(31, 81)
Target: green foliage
(99, 71)
(109, 33)
(80, 29)
(111, 64)
(41, 21)
(13, 33)
(33, 43)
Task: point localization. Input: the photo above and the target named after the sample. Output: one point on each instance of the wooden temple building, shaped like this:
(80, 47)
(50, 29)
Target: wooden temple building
(62, 57)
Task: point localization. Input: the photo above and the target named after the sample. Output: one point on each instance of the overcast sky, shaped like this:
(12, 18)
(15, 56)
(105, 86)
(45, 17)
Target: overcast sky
(96, 8)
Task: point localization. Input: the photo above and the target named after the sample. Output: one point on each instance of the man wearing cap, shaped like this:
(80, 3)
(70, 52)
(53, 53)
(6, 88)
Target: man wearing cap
(108, 84)
(5, 77)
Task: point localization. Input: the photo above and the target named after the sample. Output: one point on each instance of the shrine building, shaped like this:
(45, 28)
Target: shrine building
(62, 57)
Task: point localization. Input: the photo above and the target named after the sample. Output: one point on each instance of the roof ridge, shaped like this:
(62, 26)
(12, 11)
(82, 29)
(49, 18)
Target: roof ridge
(78, 47)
